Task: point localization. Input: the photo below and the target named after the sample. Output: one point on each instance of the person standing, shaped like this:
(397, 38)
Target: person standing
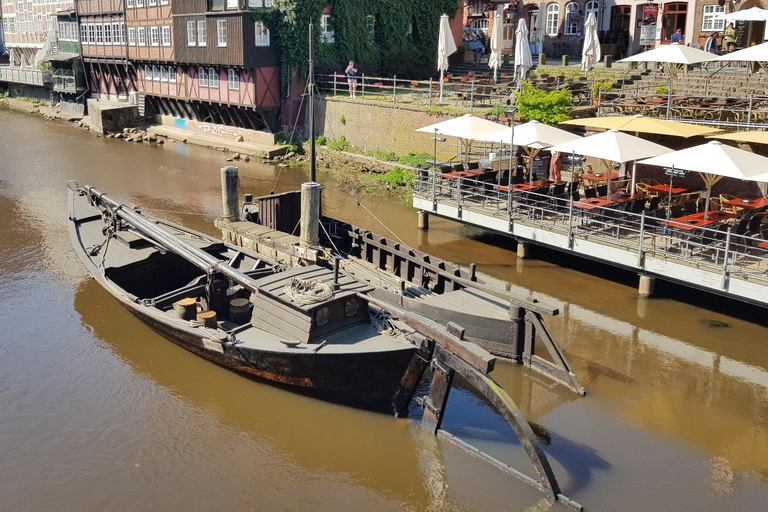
(677, 37)
(730, 38)
(555, 167)
(351, 73)
(711, 46)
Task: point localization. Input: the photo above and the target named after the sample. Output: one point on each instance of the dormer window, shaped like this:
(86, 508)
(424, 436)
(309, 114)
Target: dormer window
(323, 316)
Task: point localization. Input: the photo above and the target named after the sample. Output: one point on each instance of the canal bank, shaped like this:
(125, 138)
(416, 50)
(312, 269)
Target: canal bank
(106, 414)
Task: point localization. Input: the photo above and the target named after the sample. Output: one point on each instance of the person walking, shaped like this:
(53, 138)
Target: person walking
(729, 41)
(677, 37)
(555, 167)
(711, 46)
(351, 73)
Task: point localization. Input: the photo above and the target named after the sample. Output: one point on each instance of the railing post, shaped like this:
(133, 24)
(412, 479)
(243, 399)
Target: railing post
(430, 92)
(570, 221)
(749, 115)
(642, 239)
(334, 84)
(394, 89)
(669, 100)
(458, 193)
(725, 259)
(363, 92)
(434, 189)
(472, 96)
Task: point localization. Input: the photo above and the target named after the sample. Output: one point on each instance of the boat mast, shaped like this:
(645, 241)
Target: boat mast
(310, 192)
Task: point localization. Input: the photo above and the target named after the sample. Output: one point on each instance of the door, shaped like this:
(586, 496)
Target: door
(674, 18)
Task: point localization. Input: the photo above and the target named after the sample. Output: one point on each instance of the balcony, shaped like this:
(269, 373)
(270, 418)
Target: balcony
(25, 76)
(64, 80)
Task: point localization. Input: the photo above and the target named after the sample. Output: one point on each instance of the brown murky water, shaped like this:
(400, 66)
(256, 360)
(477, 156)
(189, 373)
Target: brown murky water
(99, 413)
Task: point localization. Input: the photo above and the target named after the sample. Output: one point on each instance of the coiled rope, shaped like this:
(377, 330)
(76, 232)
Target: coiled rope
(307, 291)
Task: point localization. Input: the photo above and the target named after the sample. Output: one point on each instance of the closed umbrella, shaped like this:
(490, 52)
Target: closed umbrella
(541, 27)
(590, 52)
(445, 47)
(523, 60)
(494, 60)
(612, 145)
(713, 161)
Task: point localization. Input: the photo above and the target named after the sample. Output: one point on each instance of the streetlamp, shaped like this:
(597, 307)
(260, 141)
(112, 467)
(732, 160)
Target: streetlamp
(436, 139)
(672, 173)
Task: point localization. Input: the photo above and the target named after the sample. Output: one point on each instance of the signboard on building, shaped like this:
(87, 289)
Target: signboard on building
(648, 25)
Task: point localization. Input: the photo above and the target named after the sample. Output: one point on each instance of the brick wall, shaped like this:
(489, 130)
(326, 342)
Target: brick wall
(700, 36)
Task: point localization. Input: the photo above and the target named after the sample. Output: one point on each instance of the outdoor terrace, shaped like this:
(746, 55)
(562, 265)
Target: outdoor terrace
(726, 253)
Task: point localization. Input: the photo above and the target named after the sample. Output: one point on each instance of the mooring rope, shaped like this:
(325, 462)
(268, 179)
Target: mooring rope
(307, 291)
(385, 226)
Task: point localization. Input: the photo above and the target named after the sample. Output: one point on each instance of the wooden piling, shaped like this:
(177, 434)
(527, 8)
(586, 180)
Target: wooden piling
(229, 194)
(423, 220)
(186, 308)
(310, 214)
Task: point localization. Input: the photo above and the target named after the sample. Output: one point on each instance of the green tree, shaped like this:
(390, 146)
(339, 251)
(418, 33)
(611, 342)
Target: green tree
(547, 107)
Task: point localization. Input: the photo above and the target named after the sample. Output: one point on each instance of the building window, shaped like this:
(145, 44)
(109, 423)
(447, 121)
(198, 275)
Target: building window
(202, 77)
(131, 36)
(553, 19)
(107, 34)
(156, 73)
(262, 34)
(164, 74)
(233, 80)
(674, 18)
(213, 78)
(122, 33)
(592, 6)
(154, 36)
(190, 33)
(255, 3)
(325, 24)
(165, 2)
(221, 32)
(147, 73)
(267, 3)
(172, 73)
(91, 33)
(99, 33)
(713, 18)
(620, 15)
(166, 36)
(83, 33)
(370, 22)
(139, 3)
(152, 3)
(142, 36)
(202, 33)
(116, 33)
(572, 19)
(130, 4)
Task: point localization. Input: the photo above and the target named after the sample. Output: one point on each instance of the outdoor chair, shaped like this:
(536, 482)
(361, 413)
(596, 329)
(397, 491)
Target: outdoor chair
(469, 166)
(558, 190)
(742, 226)
(602, 190)
(689, 208)
(575, 196)
(755, 222)
(638, 205)
(590, 193)
(517, 179)
(676, 211)
(654, 203)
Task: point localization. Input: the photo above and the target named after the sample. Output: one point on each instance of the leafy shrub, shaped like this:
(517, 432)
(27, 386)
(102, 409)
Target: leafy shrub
(497, 111)
(413, 159)
(601, 86)
(547, 107)
(320, 140)
(343, 119)
(661, 90)
(340, 145)
(397, 177)
(387, 156)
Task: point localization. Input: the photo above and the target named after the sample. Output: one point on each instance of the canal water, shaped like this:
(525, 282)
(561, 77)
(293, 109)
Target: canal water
(99, 413)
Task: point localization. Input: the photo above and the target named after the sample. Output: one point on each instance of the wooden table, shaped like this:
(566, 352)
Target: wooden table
(456, 175)
(664, 189)
(749, 203)
(592, 203)
(519, 187)
(763, 245)
(624, 197)
(697, 220)
(599, 177)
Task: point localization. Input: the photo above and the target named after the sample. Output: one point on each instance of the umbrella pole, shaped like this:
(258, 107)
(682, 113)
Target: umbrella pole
(442, 72)
(633, 183)
(706, 204)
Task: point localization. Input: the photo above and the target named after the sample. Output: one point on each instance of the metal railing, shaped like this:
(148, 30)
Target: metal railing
(468, 92)
(727, 250)
(749, 112)
(25, 76)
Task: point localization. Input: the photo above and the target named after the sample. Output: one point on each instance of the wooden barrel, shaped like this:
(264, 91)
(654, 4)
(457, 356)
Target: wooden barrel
(207, 318)
(186, 308)
(239, 311)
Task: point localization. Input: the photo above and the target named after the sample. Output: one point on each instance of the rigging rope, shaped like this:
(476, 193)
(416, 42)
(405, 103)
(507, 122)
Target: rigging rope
(380, 222)
(307, 291)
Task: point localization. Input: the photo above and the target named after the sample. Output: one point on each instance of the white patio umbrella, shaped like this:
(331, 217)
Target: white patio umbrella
(751, 14)
(533, 136)
(713, 161)
(671, 56)
(445, 47)
(523, 60)
(590, 52)
(465, 128)
(612, 145)
(494, 60)
(757, 53)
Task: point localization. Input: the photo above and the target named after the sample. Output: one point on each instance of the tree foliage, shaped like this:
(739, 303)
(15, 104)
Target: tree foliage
(404, 40)
(547, 107)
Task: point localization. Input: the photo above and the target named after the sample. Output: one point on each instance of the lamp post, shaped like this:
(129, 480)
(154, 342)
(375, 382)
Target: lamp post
(436, 139)
(672, 173)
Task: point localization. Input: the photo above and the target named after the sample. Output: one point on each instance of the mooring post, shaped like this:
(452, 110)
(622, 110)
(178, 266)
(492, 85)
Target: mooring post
(422, 220)
(229, 194)
(310, 214)
(517, 316)
(434, 404)
(523, 250)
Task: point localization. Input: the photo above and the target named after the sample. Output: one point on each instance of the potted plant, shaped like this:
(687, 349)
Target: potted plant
(598, 87)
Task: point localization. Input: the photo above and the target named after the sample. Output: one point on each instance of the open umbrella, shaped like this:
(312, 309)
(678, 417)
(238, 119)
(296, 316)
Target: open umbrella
(523, 60)
(713, 161)
(754, 137)
(612, 145)
(494, 60)
(671, 56)
(533, 136)
(639, 124)
(590, 52)
(757, 53)
(445, 47)
(751, 14)
(465, 128)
